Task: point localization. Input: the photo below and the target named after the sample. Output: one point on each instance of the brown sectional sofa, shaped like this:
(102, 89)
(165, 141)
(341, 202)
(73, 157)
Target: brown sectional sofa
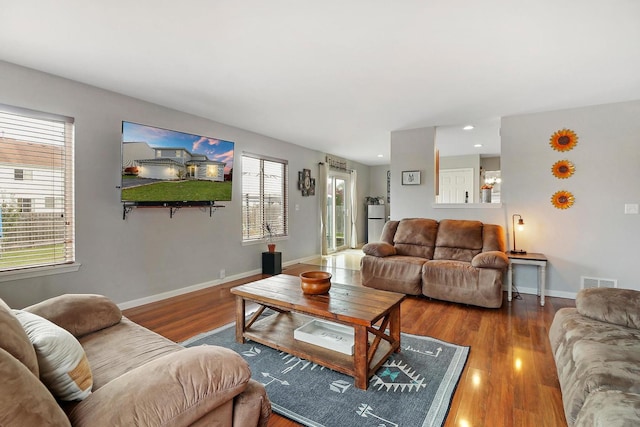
(453, 260)
(596, 347)
(139, 377)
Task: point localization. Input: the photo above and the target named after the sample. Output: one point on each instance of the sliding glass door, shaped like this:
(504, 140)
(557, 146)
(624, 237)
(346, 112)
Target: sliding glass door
(338, 211)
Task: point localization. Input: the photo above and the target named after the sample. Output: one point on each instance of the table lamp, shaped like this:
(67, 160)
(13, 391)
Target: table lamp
(520, 227)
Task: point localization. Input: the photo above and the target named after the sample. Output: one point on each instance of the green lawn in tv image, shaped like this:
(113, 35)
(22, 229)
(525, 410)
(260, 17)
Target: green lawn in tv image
(178, 191)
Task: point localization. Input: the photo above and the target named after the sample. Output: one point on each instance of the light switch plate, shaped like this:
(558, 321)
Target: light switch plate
(631, 208)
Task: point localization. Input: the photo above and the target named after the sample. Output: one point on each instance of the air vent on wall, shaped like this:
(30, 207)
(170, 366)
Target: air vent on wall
(597, 282)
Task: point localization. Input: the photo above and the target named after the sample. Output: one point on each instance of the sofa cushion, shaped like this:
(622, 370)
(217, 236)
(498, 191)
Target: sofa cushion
(64, 367)
(493, 238)
(121, 348)
(416, 237)
(458, 240)
(14, 339)
(458, 281)
(389, 231)
(25, 400)
(79, 314)
(397, 273)
(611, 305)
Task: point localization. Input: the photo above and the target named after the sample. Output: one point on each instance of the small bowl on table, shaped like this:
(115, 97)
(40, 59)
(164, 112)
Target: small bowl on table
(315, 282)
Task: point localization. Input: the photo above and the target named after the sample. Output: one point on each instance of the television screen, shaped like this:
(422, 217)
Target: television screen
(166, 167)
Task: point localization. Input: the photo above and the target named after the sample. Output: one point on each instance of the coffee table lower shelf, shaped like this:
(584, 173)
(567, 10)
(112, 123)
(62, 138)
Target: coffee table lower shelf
(276, 331)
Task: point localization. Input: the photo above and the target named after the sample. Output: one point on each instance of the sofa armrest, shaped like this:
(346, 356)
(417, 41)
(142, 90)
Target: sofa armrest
(177, 389)
(490, 259)
(379, 249)
(80, 314)
(611, 305)
(252, 407)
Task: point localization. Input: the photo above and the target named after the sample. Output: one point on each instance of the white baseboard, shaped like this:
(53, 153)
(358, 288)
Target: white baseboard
(173, 293)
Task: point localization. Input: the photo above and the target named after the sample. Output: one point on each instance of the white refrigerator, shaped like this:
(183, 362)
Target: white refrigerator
(375, 222)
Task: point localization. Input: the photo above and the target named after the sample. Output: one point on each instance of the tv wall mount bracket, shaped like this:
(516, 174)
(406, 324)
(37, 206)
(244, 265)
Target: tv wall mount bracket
(173, 208)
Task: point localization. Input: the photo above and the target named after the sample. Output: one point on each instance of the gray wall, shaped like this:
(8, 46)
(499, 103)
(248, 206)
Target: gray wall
(594, 237)
(412, 149)
(149, 253)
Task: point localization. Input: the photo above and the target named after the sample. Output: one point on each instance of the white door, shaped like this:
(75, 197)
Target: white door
(456, 186)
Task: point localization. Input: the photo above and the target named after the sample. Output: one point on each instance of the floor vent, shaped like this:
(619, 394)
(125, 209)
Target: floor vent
(597, 282)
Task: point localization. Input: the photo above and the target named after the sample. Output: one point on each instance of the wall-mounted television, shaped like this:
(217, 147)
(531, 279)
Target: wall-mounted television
(162, 167)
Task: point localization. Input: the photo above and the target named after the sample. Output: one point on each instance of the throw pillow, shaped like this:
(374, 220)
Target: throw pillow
(64, 367)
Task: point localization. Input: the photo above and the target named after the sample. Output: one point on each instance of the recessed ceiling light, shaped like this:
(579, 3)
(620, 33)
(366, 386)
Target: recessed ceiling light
(477, 145)
(468, 127)
(380, 155)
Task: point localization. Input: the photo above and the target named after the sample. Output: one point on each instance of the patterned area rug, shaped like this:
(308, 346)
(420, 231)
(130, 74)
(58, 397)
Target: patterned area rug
(412, 388)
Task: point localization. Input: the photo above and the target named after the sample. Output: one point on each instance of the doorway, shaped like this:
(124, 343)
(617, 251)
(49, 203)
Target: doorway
(338, 211)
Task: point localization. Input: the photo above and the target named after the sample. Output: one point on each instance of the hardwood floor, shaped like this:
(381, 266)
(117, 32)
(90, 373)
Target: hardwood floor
(510, 378)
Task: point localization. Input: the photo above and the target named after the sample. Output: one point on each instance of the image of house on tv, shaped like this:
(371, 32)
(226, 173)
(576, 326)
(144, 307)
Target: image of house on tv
(169, 163)
(162, 165)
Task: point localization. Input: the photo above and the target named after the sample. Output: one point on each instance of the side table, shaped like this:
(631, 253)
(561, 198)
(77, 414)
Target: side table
(271, 263)
(528, 259)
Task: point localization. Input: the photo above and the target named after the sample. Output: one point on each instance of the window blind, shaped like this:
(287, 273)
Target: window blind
(264, 198)
(36, 189)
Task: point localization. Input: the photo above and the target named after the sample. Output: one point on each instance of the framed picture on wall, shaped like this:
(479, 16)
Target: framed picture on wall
(410, 177)
(312, 188)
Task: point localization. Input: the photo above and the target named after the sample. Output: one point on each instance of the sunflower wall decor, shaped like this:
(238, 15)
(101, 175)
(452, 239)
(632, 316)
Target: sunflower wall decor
(563, 140)
(563, 169)
(562, 199)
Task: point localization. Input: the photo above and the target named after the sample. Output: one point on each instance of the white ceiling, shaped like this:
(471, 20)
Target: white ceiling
(337, 75)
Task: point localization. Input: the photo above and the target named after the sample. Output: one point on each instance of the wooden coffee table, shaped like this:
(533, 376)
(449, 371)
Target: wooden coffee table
(369, 311)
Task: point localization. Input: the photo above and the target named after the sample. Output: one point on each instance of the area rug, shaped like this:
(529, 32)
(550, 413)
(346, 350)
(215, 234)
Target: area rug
(412, 388)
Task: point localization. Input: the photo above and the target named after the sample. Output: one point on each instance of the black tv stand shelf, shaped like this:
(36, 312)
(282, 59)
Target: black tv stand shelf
(173, 207)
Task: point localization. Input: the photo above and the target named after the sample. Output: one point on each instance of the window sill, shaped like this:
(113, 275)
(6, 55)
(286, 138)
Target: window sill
(264, 241)
(48, 270)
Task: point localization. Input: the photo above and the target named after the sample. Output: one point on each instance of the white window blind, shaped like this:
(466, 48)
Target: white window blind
(264, 197)
(36, 189)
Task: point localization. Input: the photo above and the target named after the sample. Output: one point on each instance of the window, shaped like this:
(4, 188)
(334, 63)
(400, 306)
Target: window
(36, 189)
(22, 175)
(264, 197)
(49, 202)
(23, 205)
(212, 171)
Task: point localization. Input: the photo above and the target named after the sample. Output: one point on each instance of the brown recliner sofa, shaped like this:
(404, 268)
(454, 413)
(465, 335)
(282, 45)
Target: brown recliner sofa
(453, 260)
(596, 347)
(139, 377)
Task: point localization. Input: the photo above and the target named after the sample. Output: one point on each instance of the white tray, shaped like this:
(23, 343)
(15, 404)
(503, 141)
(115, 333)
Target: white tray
(333, 336)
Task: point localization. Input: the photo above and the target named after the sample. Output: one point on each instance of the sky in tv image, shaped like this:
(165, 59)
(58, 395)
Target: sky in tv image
(215, 149)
